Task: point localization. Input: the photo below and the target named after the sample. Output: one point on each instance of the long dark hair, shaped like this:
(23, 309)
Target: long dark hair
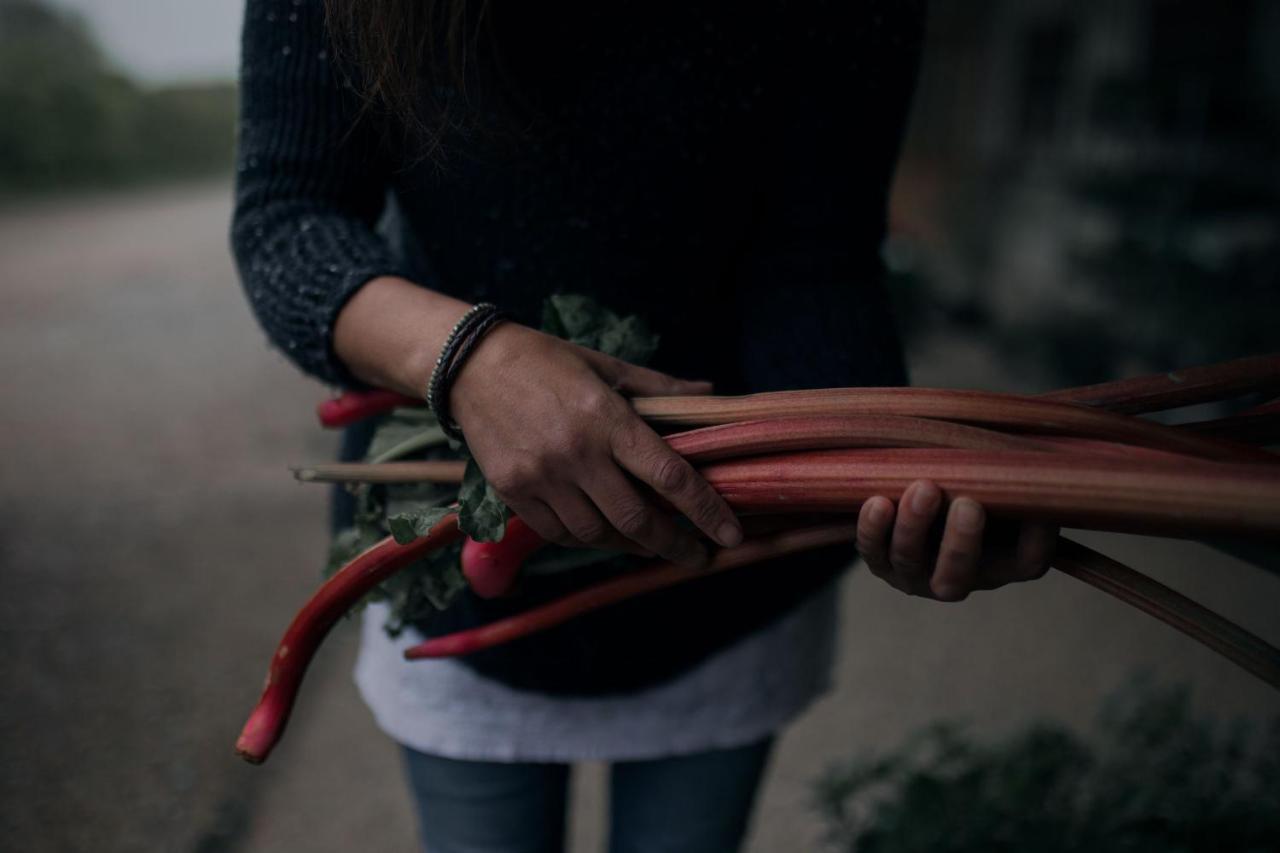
(414, 63)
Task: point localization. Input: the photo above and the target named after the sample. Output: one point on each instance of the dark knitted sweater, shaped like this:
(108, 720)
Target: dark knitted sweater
(722, 172)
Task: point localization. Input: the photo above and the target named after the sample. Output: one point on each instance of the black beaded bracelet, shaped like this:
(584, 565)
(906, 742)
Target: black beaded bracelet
(458, 346)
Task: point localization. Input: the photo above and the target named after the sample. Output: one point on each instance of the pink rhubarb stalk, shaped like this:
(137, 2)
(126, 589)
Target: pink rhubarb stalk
(1102, 493)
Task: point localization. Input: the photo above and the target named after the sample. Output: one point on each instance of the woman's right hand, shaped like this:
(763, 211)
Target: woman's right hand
(547, 422)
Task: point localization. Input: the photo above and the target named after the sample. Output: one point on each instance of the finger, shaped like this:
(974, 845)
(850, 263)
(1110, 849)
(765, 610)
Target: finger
(588, 527)
(542, 519)
(635, 381)
(875, 520)
(639, 450)
(956, 571)
(645, 525)
(1036, 544)
(909, 546)
(1028, 558)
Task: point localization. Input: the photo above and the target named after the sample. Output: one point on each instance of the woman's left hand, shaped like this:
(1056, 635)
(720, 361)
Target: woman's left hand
(902, 548)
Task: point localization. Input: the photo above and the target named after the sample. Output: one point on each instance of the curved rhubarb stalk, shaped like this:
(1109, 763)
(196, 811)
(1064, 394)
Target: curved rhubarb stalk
(628, 586)
(1223, 636)
(1007, 411)
(338, 595)
(491, 567)
(818, 432)
(352, 406)
(1074, 490)
(1177, 388)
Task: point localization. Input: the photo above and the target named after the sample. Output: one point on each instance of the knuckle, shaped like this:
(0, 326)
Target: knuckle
(671, 473)
(597, 402)
(958, 557)
(904, 562)
(518, 476)
(575, 444)
(634, 521)
(706, 508)
(591, 532)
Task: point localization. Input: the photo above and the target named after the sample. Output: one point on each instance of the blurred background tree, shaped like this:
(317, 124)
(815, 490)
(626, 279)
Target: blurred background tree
(1092, 187)
(72, 120)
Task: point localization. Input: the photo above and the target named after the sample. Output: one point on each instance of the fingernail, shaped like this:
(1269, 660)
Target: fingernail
(729, 534)
(967, 516)
(947, 592)
(924, 499)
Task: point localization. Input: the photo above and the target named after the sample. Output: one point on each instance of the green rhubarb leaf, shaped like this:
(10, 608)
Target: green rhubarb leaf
(481, 513)
(585, 322)
(408, 524)
(629, 339)
(346, 546)
(400, 435)
(444, 584)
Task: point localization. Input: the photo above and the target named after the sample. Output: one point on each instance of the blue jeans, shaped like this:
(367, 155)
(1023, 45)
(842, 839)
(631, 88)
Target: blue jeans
(688, 804)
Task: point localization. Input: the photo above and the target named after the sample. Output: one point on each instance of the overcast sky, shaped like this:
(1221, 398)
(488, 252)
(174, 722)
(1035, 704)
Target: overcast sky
(163, 40)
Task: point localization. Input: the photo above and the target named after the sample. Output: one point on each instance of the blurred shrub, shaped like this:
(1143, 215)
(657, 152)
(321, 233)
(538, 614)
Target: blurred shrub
(70, 120)
(1154, 778)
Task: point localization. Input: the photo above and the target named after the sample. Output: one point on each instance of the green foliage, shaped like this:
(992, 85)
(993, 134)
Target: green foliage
(71, 120)
(583, 321)
(1154, 778)
(481, 513)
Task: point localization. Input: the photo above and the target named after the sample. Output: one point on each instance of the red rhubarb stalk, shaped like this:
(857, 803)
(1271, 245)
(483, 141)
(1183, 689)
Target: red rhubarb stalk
(491, 567)
(1223, 636)
(1185, 387)
(627, 586)
(352, 406)
(313, 622)
(1102, 493)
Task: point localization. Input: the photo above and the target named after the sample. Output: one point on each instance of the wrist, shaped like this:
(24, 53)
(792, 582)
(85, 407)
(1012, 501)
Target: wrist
(459, 346)
(491, 359)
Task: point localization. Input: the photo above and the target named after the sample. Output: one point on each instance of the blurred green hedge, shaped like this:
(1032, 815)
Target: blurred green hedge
(67, 119)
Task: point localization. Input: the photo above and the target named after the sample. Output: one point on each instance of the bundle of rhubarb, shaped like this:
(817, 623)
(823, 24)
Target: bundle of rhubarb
(1082, 458)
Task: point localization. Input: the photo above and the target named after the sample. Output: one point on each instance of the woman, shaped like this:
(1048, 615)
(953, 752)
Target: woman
(722, 174)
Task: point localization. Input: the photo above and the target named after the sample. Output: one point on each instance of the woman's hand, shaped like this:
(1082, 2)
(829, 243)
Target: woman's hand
(901, 547)
(547, 422)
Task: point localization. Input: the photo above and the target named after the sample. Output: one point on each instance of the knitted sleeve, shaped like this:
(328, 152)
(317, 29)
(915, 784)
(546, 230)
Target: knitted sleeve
(310, 185)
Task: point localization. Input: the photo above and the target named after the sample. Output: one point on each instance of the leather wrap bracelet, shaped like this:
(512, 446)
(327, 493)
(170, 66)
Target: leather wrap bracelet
(458, 346)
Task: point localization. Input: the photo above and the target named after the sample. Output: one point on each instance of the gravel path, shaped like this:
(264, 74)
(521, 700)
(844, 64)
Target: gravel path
(152, 547)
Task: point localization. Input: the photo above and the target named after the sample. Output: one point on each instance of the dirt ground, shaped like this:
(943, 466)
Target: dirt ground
(153, 546)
